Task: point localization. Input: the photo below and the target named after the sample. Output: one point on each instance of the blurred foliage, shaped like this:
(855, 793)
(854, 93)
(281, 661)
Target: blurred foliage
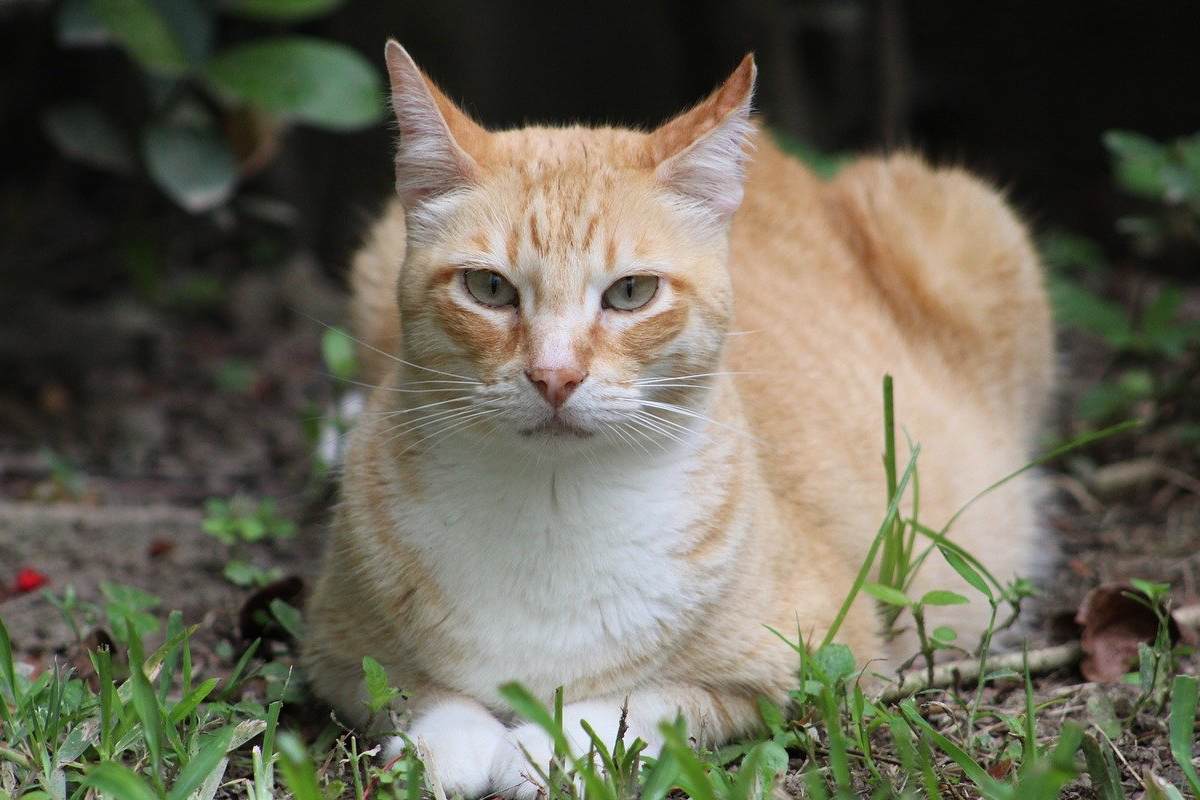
(1155, 341)
(214, 112)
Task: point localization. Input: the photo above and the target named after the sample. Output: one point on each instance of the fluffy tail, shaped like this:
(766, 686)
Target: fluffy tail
(374, 275)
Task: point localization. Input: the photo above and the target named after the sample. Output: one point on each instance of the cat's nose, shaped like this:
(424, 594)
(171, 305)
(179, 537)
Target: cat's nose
(557, 384)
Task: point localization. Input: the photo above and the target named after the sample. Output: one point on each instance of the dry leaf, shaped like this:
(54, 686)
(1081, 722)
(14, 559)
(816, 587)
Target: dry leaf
(1114, 624)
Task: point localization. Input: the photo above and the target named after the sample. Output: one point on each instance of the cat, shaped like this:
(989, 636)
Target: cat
(628, 415)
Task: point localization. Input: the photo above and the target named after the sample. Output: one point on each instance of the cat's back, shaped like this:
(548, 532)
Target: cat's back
(891, 267)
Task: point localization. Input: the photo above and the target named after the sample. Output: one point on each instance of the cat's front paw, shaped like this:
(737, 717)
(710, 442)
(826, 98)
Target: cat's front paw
(459, 741)
(513, 773)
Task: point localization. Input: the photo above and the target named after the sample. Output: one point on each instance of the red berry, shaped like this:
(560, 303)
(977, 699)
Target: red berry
(29, 580)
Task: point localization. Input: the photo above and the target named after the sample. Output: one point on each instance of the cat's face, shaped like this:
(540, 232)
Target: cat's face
(572, 281)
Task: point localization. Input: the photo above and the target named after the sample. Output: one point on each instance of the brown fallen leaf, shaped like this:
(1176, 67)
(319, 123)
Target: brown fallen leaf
(1114, 624)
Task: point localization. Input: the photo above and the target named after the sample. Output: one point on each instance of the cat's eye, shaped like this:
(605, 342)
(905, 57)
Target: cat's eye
(631, 292)
(490, 288)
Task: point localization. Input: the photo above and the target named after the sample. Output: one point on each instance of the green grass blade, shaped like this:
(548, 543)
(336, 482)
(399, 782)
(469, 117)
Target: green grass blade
(532, 709)
(118, 782)
(1182, 727)
(692, 777)
(235, 677)
(299, 774)
(191, 701)
(145, 702)
(8, 669)
(208, 758)
(166, 675)
(661, 778)
(1074, 444)
(869, 561)
(988, 785)
(1102, 769)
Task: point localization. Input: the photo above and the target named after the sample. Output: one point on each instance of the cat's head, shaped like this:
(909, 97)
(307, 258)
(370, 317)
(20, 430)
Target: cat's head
(577, 276)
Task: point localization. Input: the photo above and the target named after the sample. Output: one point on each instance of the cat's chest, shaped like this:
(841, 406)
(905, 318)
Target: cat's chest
(553, 579)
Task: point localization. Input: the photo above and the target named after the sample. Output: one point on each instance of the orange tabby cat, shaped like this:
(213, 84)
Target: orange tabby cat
(581, 467)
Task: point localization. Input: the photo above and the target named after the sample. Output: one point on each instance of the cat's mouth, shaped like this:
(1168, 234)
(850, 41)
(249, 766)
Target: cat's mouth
(557, 427)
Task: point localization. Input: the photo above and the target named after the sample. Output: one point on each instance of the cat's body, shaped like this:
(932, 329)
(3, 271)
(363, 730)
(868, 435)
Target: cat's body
(644, 560)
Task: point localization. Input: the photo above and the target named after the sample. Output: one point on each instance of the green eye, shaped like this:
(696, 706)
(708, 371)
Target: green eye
(631, 292)
(490, 288)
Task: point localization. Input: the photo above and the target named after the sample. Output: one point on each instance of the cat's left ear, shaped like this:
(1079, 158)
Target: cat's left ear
(701, 154)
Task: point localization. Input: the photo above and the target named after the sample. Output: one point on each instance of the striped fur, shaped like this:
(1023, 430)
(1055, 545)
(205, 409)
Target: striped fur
(701, 485)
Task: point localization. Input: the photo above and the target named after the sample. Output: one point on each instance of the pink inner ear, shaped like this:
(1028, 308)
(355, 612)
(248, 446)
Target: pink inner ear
(678, 134)
(439, 144)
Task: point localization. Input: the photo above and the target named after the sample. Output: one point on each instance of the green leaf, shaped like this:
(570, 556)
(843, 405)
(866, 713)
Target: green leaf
(1102, 769)
(1139, 162)
(834, 661)
(1078, 308)
(968, 573)
(940, 597)
(78, 26)
(944, 634)
(145, 703)
(337, 350)
(1182, 726)
(299, 774)
(379, 689)
(1158, 788)
(118, 782)
(83, 132)
(532, 709)
(207, 759)
(289, 617)
(192, 164)
(286, 10)
(886, 594)
(143, 30)
(310, 80)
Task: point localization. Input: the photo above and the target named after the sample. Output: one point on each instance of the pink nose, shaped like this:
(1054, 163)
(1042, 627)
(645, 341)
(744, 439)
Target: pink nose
(556, 385)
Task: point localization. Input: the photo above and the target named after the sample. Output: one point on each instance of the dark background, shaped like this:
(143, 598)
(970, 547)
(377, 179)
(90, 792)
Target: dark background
(1021, 91)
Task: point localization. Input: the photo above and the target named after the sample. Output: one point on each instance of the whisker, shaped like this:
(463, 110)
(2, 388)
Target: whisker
(429, 419)
(390, 414)
(402, 391)
(640, 424)
(384, 353)
(645, 381)
(653, 423)
(443, 432)
(674, 409)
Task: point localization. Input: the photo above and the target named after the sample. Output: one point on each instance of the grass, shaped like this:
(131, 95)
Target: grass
(139, 727)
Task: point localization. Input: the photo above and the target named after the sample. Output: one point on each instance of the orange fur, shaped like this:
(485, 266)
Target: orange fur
(893, 267)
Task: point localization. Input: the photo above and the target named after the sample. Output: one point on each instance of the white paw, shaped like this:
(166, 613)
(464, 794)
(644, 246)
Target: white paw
(458, 741)
(513, 772)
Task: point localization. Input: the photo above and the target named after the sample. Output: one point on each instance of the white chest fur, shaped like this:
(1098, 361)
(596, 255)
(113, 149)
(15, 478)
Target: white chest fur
(555, 572)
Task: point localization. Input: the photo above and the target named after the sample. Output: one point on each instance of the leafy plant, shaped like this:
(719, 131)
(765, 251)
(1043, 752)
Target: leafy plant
(215, 112)
(240, 521)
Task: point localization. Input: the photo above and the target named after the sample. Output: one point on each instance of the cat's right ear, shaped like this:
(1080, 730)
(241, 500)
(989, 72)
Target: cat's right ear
(433, 156)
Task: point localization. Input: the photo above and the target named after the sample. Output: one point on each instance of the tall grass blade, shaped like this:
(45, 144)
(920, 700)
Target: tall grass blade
(118, 782)
(207, 759)
(1182, 727)
(1102, 769)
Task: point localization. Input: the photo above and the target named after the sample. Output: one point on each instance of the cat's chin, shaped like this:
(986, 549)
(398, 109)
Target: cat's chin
(557, 429)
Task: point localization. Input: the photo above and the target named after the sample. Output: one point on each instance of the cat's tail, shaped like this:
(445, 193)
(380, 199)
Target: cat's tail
(374, 276)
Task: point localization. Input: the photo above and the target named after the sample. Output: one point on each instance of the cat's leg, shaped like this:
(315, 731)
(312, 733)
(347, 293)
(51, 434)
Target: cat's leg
(459, 739)
(711, 717)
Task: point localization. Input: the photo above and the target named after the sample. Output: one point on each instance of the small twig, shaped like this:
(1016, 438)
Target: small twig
(1040, 660)
(967, 670)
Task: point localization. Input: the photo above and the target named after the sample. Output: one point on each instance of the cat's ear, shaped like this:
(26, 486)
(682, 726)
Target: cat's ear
(701, 154)
(433, 156)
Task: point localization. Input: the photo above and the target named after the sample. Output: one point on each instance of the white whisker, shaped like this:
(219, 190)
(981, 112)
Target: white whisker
(384, 353)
